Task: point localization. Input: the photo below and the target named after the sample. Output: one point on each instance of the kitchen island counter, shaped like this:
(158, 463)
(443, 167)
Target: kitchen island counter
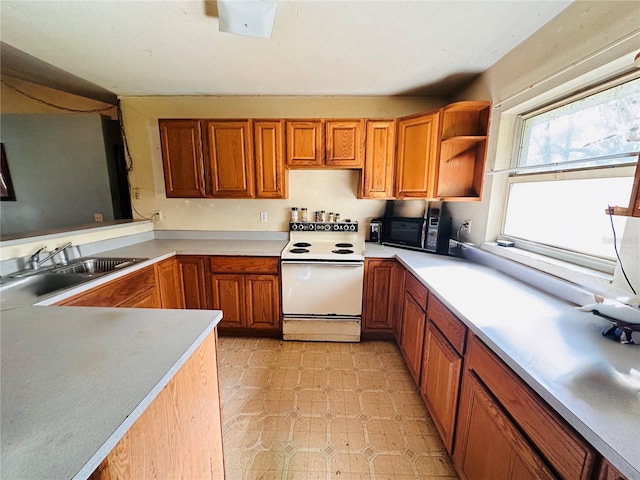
(74, 380)
(591, 381)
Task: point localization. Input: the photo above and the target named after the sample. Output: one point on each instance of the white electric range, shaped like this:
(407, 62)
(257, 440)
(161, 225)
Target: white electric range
(322, 279)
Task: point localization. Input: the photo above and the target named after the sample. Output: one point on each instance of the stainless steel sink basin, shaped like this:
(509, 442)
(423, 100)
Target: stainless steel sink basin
(25, 290)
(26, 286)
(96, 265)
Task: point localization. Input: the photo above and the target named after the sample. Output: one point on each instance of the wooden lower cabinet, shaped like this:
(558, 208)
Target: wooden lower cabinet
(505, 431)
(382, 295)
(170, 284)
(440, 382)
(609, 472)
(414, 319)
(179, 435)
(192, 273)
(247, 290)
(489, 445)
(138, 289)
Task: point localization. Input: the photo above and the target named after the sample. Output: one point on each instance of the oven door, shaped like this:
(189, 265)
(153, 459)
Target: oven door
(322, 288)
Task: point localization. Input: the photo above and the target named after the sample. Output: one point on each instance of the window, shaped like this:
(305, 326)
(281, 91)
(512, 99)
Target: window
(573, 160)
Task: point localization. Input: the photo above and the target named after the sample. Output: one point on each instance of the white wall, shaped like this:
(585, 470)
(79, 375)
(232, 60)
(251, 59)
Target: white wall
(587, 42)
(331, 190)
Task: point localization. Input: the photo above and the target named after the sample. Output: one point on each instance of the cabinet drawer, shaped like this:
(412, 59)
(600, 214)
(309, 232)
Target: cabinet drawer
(117, 292)
(219, 264)
(452, 328)
(418, 291)
(562, 448)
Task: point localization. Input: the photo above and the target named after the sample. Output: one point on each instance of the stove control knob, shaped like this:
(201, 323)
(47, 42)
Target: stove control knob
(352, 227)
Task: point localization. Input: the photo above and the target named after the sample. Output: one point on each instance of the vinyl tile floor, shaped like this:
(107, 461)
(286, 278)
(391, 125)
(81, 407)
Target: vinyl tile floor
(329, 411)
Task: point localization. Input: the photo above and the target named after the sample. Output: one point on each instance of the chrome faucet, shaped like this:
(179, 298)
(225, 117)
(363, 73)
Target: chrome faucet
(35, 261)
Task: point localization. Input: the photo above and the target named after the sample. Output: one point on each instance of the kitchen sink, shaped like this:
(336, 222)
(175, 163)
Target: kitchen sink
(96, 265)
(26, 286)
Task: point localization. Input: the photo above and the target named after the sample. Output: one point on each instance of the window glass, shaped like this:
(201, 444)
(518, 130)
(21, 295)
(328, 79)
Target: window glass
(568, 214)
(604, 124)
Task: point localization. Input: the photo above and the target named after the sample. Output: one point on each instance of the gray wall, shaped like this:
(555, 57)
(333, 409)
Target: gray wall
(59, 171)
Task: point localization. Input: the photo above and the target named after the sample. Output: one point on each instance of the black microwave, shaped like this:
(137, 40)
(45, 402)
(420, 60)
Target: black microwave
(430, 234)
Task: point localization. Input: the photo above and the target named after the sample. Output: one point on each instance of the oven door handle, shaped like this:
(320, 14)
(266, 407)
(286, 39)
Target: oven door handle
(323, 264)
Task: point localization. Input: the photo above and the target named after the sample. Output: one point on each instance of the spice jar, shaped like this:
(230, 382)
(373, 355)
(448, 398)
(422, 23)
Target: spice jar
(332, 217)
(337, 217)
(304, 214)
(323, 216)
(294, 214)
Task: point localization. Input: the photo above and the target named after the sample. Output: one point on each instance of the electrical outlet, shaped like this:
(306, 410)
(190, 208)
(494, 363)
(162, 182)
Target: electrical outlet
(136, 194)
(158, 215)
(263, 216)
(98, 217)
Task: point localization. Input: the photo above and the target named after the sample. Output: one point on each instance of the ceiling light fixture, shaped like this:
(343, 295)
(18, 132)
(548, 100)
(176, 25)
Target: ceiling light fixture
(252, 18)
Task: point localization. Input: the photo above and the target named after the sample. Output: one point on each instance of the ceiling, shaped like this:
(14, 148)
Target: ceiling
(342, 48)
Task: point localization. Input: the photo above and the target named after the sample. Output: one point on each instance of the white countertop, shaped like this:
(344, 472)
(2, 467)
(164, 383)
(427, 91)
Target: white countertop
(87, 355)
(74, 379)
(591, 381)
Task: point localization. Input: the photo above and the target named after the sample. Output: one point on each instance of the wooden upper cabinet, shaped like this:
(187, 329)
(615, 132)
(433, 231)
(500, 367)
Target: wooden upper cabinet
(271, 178)
(463, 149)
(376, 179)
(229, 158)
(181, 146)
(344, 143)
(416, 157)
(305, 143)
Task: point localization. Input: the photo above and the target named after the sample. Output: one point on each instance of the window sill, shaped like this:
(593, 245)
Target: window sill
(589, 279)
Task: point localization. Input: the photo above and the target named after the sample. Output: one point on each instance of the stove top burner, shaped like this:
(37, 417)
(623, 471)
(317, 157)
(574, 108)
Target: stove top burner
(302, 244)
(342, 251)
(299, 250)
(344, 245)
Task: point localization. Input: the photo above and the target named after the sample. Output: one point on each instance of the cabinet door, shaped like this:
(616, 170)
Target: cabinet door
(413, 324)
(227, 293)
(344, 143)
(376, 180)
(181, 146)
(305, 143)
(170, 284)
(440, 382)
(263, 301)
(229, 158)
(382, 294)
(488, 445)
(271, 179)
(416, 158)
(192, 271)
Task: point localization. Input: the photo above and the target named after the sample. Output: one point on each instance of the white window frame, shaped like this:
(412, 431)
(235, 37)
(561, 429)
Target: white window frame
(576, 267)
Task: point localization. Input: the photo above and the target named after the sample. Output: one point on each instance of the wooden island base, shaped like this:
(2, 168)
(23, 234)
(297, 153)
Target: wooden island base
(180, 434)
